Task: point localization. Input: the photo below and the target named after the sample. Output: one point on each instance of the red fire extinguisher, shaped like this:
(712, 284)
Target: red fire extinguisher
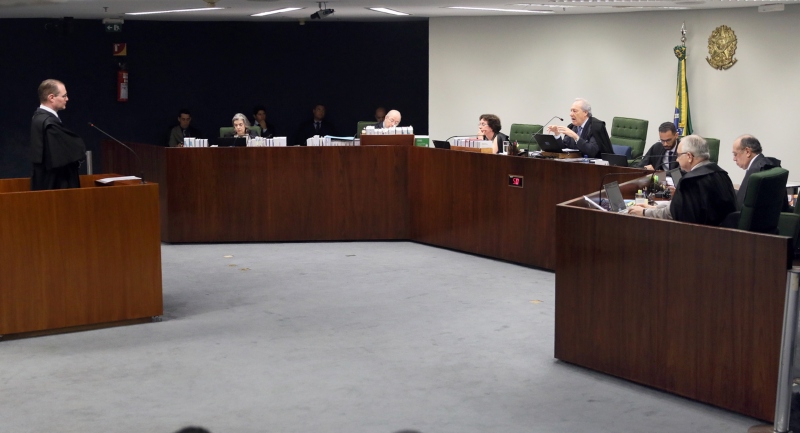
(122, 86)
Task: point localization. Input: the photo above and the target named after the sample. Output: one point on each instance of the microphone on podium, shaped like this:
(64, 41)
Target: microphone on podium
(141, 168)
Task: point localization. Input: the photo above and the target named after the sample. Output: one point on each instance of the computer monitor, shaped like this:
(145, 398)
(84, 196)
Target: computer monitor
(615, 201)
(614, 159)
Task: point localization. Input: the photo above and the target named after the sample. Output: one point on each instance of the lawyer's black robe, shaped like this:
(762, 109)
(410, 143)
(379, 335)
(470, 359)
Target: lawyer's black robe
(56, 153)
(705, 195)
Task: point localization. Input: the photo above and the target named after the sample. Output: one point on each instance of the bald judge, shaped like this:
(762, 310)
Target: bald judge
(391, 120)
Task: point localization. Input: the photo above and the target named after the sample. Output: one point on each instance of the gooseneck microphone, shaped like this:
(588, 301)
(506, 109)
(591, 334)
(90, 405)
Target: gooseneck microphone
(548, 122)
(141, 168)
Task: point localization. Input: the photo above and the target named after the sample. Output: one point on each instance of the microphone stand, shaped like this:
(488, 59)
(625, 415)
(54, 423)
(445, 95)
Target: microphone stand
(548, 122)
(141, 168)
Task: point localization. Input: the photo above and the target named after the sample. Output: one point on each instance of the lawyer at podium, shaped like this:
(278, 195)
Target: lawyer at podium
(56, 152)
(586, 133)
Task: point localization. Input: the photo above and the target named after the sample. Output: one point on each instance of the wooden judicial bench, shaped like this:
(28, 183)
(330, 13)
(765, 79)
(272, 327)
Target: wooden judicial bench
(690, 309)
(458, 200)
(78, 257)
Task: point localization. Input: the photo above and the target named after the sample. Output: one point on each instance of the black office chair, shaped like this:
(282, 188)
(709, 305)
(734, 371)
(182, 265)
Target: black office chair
(765, 198)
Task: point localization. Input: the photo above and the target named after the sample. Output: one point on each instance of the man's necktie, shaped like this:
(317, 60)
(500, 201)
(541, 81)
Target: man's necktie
(316, 126)
(579, 130)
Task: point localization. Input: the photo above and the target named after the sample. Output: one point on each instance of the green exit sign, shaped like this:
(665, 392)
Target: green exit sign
(113, 28)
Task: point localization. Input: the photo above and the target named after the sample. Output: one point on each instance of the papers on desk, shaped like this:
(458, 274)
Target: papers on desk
(332, 141)
(108, 180)
(267, 142)
(395, 130)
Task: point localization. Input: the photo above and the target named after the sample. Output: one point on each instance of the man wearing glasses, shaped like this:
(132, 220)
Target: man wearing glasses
(704, 195)
(662, 155)
(747, 156)
(390, 120)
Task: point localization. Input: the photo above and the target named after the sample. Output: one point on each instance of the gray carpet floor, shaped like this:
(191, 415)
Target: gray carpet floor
(369, 337)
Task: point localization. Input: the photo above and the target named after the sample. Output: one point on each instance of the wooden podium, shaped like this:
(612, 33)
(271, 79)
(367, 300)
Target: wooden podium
(387, 140)
(77, 257)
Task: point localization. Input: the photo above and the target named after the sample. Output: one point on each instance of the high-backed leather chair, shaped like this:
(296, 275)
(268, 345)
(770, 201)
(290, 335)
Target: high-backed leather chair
(713, 149)
(363, 124)
(626, 131)
(523, 134)
(763, 204)
(229, 129)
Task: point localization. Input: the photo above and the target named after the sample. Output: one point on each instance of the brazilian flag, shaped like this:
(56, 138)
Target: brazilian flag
(683, 120)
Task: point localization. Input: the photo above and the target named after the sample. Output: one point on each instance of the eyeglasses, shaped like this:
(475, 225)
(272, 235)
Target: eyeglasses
(682, 153)
(667, 140)
(482, 124)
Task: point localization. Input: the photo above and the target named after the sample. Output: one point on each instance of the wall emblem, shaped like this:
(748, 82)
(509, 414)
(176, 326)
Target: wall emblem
(721, 48)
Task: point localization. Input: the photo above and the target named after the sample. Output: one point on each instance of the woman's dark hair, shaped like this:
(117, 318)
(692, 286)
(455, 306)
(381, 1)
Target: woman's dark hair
(493, 122)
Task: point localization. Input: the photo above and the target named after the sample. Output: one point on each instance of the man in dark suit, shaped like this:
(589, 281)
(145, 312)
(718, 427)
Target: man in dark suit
(183, 129)
(586, 133)
(315, 126)
(662, 155)
(747, 155)
(56, 152)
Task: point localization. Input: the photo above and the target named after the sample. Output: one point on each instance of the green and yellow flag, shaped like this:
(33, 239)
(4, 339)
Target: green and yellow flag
(683, 120)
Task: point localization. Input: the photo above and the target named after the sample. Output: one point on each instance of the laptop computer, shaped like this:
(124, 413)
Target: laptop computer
(614, 159)
(676, 175)
(229, 141)
(615, 201)
(548, 143)
(441, 144)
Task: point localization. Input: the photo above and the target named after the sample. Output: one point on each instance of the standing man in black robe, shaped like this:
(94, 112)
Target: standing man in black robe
(705, 193)
(56, 152)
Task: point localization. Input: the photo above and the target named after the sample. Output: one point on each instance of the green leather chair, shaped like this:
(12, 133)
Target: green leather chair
(762, 207)
(626, 131)
(789, 226)
(523, 135)
(363, 124)
(229, 129)
(713, 149)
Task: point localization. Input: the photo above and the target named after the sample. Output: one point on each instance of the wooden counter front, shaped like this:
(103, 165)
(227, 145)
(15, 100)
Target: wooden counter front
(690, 309)
(77, 257)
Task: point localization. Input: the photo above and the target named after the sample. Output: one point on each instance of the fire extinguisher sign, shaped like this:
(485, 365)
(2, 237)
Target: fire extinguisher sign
(122, 86)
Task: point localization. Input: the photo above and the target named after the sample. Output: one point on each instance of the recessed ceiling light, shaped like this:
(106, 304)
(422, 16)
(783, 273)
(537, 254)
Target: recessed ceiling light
(500, 10)
(173, 11)
(388, 11)
(277, 11)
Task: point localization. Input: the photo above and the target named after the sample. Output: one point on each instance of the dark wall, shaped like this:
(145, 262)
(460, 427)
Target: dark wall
(214, 68)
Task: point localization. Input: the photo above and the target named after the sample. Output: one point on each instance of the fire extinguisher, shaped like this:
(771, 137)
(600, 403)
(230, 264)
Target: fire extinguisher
(122, 86)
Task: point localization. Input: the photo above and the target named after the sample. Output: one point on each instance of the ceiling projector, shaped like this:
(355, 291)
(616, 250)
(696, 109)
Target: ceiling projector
(322, 13)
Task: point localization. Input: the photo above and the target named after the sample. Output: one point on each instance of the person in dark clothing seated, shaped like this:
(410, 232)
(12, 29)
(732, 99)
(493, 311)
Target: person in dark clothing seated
(391, 120)
(241, 127)
(489, 129)
(662, 154)
(183, 129)
(586, 133)
(747, 155)
(314, 126)
(704, 195)
(260, 120)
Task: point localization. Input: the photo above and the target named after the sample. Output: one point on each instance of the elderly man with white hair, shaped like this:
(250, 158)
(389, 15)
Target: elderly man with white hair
(705, 193)
(585, 133)
(391, 120)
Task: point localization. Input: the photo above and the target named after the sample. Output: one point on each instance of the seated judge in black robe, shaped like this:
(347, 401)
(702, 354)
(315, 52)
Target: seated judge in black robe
(747, 155)
(56, 152)
(586, 133)
(241, 127)
(704, 195)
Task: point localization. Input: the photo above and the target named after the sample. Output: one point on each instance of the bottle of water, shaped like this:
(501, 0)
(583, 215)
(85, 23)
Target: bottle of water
(585, 159)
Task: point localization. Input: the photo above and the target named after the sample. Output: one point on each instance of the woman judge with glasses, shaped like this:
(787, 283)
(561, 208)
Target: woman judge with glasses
(489, 129)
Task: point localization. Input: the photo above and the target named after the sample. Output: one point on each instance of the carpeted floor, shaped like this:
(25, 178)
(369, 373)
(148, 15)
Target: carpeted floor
(369, 337)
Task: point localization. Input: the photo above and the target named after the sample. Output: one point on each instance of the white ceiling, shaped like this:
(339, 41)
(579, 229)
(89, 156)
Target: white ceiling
(346, 10)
